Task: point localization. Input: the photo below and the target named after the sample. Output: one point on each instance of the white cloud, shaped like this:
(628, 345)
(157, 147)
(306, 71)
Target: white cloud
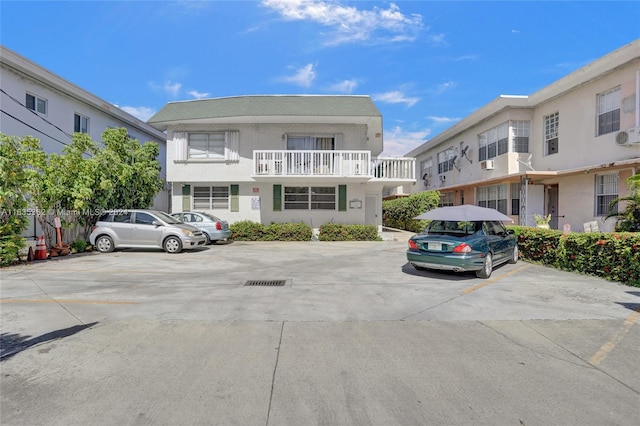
(142, 113)
(350, 24)
(443, 120)
(303, 77)
(398, 142)
(173, 89)
(198, 95)
(443, 87)
(394, 97)
(346, 86)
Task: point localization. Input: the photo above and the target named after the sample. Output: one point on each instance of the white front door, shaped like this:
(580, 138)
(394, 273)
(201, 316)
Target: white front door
(371, 210)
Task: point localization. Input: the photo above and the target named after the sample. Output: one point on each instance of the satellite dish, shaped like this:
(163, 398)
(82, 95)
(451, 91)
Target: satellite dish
(527, 163)
(464, 153)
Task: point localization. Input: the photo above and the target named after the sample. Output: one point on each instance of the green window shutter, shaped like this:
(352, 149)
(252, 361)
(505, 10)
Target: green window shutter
(342, 198)
(277, 198)
(186, 198)
(235, 198)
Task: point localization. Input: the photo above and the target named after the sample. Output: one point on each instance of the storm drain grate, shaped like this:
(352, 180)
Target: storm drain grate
(265, 283)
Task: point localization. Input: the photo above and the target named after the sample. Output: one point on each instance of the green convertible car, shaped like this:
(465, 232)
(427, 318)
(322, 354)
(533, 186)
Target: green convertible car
(463, 246)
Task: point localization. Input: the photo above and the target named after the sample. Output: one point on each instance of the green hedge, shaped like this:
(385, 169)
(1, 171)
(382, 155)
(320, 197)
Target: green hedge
(252, 231)
(611, 255)
(400, 213)
(247, 230)
(341, 232)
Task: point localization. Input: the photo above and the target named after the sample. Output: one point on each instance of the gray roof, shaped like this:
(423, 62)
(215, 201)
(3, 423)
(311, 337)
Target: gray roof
(266, 106)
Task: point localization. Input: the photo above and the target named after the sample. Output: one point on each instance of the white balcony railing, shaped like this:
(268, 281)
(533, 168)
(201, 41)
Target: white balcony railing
(331, 164)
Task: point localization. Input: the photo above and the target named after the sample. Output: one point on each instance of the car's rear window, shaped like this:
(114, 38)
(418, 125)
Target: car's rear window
(447, 227)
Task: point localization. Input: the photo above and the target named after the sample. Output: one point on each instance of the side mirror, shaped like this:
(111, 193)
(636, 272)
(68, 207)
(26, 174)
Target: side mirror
(156, 223)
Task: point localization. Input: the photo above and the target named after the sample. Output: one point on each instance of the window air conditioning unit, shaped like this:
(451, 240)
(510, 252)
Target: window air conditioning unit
(628, 137)
(487, 165)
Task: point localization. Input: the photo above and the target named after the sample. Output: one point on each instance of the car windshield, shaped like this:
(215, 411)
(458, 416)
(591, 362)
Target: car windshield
(166, 218)
(447, 227)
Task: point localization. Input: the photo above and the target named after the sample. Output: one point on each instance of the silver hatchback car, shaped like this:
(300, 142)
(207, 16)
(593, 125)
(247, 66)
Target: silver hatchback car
(143, 229)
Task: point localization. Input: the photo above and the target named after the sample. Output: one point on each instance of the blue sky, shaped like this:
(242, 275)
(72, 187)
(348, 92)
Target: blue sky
(426, 64)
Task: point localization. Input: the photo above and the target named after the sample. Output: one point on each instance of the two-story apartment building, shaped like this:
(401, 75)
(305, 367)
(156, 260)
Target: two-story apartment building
(280, 158)
(39, 103)
(566, 150)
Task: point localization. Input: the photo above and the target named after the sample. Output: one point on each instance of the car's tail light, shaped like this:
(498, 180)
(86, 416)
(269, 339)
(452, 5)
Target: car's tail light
(219, 226)
(462, 248)
(413, 245)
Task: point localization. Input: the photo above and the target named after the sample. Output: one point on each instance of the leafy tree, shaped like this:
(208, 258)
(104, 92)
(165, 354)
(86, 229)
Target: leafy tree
(400, 213)
(629, 218)
(87, 179)
(18, 161)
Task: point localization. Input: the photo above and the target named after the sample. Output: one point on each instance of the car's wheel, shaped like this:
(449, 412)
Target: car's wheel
(104, 244)
(487, 267)
(173, 245)
(207, 240)
(515, 255)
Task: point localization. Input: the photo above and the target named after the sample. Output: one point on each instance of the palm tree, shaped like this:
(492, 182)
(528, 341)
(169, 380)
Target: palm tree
(628, 219)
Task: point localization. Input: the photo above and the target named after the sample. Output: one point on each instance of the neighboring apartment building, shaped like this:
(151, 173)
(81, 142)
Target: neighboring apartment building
(566, 150)
(38, 103)
(280, 158)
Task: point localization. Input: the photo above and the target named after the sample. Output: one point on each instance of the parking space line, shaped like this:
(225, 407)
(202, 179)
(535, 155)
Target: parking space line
(70, 301)
(616, 338)
(493, 280)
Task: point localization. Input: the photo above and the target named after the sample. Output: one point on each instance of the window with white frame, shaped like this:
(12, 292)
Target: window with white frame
(309, 198)
(494, 197)
(203, 146)
(609, 111)
(311, 143)
(520, 132)
(36, 103)
(446, 199)
(606, 192)
(495, 141)
(515, 199)
(210, 197)
(551, 127)
(445, 160)
(426, 168)
(80, 123)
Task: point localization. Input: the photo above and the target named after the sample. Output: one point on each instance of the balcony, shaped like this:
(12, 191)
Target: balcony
(356, 165)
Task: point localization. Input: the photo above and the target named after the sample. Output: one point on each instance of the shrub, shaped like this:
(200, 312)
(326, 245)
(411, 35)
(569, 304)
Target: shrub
(287, 232)
(79, 246)
(400, 213)
(342, 232)
(611, 255)
(246, 230)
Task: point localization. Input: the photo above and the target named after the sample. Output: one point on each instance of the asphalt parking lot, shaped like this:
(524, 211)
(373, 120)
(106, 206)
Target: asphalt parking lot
(353, 336)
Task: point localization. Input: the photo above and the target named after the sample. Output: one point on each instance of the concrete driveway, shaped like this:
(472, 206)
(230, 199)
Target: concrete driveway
(353, 336)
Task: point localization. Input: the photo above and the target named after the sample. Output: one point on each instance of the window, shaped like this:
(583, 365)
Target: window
(606, 191)
(426, 168)
(446, 199)
(80, 123)
(493, 197)
(312, 143)
(37, 104)
(445, 160)
(309, 198)
(609, 111)
(520, 136)
(495, 141)
(210, 197)
(204, 146)
(551, 125)
(515, 199)
(144, 218)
